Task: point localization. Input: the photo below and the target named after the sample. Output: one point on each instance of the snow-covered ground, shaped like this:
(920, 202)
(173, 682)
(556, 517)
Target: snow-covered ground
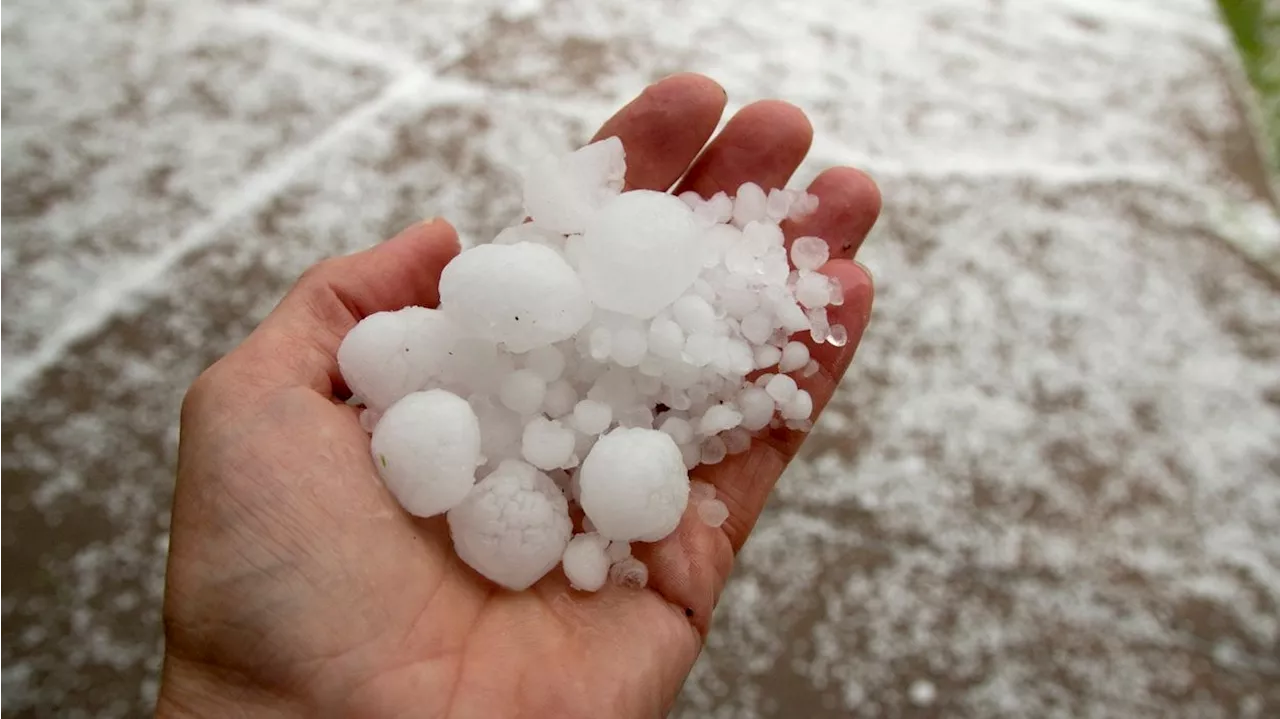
(1050, 486)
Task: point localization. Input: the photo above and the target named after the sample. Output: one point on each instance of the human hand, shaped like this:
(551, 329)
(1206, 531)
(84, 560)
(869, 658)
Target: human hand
(296, 584)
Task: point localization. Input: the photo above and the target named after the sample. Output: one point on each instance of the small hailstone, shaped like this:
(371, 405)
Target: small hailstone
(792, 318)
(719, 418)
(513, 527)
(387, 355)
(618, 551)
(713, 451)
(809, 253)
(721, 207)
(813, 289)
(679, 429)
(547, 362)
(838, 336)
(500, 428)
(767, 356)
(757, 408)
(748, 204)
(837, 291)
(802, 207)
(430, 477)
(639, 253)
(781, 388)
(700, 491)
(559, 399)
(628, 347)
(736, 440)
(522, 391)
(794, 356)
(629, 573)
(586, 562)
(810, 369)
(666, 339)
(694, 314)
(691, 454)
(591, 417)
(798, 407)
(546, 444)
(819, 328)
(700, 349)
(757, 327)
(777, 204)
(562, 193)
(523, 295)
(369, 419)
(600, 343)
(712, 512)
(634, 485)
(690, 198)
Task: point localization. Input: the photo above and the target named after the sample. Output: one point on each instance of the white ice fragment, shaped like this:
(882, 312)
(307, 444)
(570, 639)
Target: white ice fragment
(713, 451)
(591, 417)
(562, 193)
(836, 290)
(629, 573)
(819, 328)
(810, 369)
(700, 349)
(757, 327)
(794, 356)
(523, 295)
(634, 485)
(369, 419)
(767, 356)
(777, 204)
(387, 355)
(694, 315)
(781, 388)
(736, 440)
(802, 207)
(749, 204)
(791, 317)
(712, 512)
(813, 290)
(700, 491)
(628, 347)
(691, 454)
(800, 406)
(600, 344)
(679, 429)
(618, 551)
(666, 339)
(838, 336)
(639, 253)
(513, 527)
(546, 443)
(559, 398)
(741, 358)
(586, 563)
(690, 198)
(426, 448)
(757, 408)
(719, 418)
(547, 362)
(522, 391)
(809, 253)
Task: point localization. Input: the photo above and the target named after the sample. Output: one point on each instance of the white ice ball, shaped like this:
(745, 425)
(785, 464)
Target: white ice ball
(522, 295)
(639, 253)
(426, 447)
(560, 194)
(634, 485)
(513, 527)
(586, 562)
(387, 355)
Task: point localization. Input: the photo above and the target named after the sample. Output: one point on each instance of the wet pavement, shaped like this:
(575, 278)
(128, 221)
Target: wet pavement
(1050, 486)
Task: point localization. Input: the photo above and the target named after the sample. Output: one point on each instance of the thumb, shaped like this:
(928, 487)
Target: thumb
(297, 344)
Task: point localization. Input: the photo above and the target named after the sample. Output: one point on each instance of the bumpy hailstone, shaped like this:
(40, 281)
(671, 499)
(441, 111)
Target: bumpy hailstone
(634, 485)
(522, 295)
(387, 355)
(586, 562)
(561, 194)
(513, 527)
(547, 444)
(639, 253)
(426, 447)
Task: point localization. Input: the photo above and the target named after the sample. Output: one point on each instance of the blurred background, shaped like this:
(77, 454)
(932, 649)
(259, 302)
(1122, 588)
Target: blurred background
(1049, 487)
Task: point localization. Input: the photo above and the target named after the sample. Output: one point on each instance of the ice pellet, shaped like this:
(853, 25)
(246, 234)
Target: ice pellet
(781, 388)
(712, 512)
(809, 253)
(586, 562)
(795, 355)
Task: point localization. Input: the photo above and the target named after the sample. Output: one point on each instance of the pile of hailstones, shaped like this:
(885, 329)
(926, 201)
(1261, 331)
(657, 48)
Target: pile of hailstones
(592, 355)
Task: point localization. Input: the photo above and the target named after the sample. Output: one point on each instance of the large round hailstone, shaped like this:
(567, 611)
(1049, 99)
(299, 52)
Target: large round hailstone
(513, 527)
(634, 485)
(426, 447)
(639, 253)
(522, 295)
(561, 193)
(387, 355)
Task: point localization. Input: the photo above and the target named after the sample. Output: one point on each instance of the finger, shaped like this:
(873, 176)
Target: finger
(663, 129)
(297, 344)
(743, 481)
(763, 143)
(848, 205)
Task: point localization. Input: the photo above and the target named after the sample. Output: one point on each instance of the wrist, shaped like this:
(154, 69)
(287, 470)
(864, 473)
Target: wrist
(193, 690)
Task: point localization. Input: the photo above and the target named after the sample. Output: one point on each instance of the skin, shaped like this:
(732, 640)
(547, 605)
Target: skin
(297, 586)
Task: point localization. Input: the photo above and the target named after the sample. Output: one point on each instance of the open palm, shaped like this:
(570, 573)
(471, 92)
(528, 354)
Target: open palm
(297, 585)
